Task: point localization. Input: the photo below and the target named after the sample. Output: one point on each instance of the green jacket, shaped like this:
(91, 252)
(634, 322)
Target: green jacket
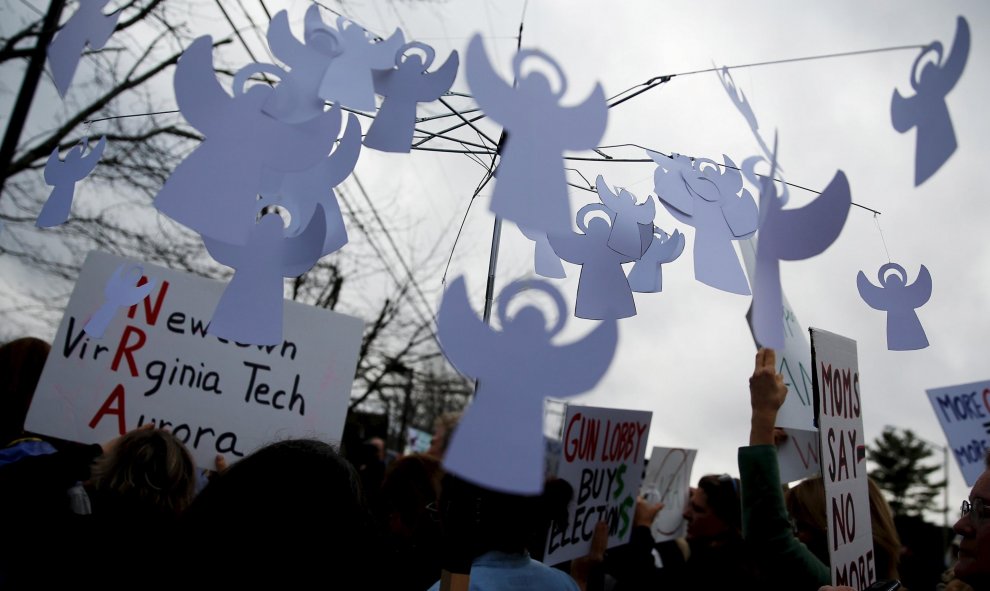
(785, 562)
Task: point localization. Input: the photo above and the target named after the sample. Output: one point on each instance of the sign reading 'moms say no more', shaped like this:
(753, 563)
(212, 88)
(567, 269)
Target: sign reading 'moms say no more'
(838, 409)
(156, 364)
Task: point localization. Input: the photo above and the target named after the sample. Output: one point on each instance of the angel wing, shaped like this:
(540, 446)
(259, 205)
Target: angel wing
(384, 52)
(281, 41)
(463, 337)
(669, 185)
(130, 294)
(581, 365)
(801, 233)
(440, 80)
(198, 94)
(51, 176)
(345, 157)
(920, 291)
(952, 69)
(102, 29)
(95, 154)
(569, 246)
(671, 248)
(874, 296)
(646, 212)
(582, 126)
(741, 214)
(493, 95)
(301, 252)
(608, 198)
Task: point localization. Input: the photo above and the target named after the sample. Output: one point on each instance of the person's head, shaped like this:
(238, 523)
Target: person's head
(379, 444)
(806, 506)
(443, 428)
(21, 362)
(411, 484)
(713, 512)
(973, 565)
(148, 472)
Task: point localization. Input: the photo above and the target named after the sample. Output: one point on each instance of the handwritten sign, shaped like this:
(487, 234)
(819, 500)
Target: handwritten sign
(668, 481)
(157, 364)
(798, 456)
(602, 457)
(964, 412)
(838, 409)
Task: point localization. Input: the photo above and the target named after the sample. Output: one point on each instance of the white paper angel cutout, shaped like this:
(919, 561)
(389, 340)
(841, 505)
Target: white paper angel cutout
(790, 235)
(530, 182)
(63, 175)
(403, 87)
(899, 300)
(87, 26)
(545, 261)
(250, 309)
(296, 97)
(347, 80)
(627, 235)
(935, 141)
(123, 290)
(646, 275)
(718, 212)
(603, 290)
(498, 443)
(300, 192)
(214, 190)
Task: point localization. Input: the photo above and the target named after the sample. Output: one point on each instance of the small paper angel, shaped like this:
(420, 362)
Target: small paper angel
(698, 194)
(403, 87)
(899, 300)
(531, 186)
(348, 79)
(123, 290)
(63, 175)
(87, 26)
(935, 141)
(300, 192)
(632, 224)
(214, 190)
(250, 309)
(603, 290)
(646, 275)
(545, 261)
(498, 443)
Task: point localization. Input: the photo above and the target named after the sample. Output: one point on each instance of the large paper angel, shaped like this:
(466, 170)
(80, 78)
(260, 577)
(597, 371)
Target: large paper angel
(63, 175)
(698, 194)
(791, 235)
(531, 187)
(603, 290)
(300, 192)
(546, 263)
(899, 300)
(348, 79)
(632, 224)
(214, 190)
(250, 309)
(646, 276)
(926, 110)
(403, 87)
(87, 26)
(498, 443)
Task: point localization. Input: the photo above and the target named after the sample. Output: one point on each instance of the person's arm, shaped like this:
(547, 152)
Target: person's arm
(766, 526)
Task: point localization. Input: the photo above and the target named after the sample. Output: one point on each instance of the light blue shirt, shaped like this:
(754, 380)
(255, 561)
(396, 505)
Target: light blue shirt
(498, 571)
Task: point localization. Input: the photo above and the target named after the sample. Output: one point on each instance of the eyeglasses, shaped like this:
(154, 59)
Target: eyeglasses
(976, 509)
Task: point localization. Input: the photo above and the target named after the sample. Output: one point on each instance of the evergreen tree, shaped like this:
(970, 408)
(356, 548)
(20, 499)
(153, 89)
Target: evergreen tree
(898, 457)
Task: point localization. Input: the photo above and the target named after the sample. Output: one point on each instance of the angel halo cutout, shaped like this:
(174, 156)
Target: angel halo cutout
(498, 443)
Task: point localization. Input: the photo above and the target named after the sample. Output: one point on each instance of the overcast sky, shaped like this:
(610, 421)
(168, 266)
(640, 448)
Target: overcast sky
(688, 353)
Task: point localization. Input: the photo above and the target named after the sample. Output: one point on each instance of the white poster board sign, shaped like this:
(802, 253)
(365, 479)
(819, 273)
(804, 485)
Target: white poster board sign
(602, 456)
(964, 412)
(155, 363)
(668, 481)
(417, 441)
(843, 454)
(794, 360)
(798, 455)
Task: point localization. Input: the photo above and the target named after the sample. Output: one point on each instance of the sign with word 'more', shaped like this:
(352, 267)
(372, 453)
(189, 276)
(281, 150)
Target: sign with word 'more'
(964, 412)
(838, 409)
(156, 363)
(668, 481)
(603, 451)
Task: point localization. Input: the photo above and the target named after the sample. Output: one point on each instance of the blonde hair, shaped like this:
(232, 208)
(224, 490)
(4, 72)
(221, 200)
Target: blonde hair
(150, 469)
(806, 505)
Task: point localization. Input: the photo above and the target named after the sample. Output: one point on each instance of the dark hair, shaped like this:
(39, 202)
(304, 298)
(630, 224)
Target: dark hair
(722, 492)
(411, 484)
(21, 362)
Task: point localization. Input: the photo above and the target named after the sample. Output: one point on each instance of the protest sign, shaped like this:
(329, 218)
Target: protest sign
(417, 441)
(603, 453)
(156, 364)
(847, 503)
(668, 481)
(964, 412)
(793, 361)
(798, 455)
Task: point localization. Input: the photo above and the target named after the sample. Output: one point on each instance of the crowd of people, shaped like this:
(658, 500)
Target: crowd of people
(299, 513)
